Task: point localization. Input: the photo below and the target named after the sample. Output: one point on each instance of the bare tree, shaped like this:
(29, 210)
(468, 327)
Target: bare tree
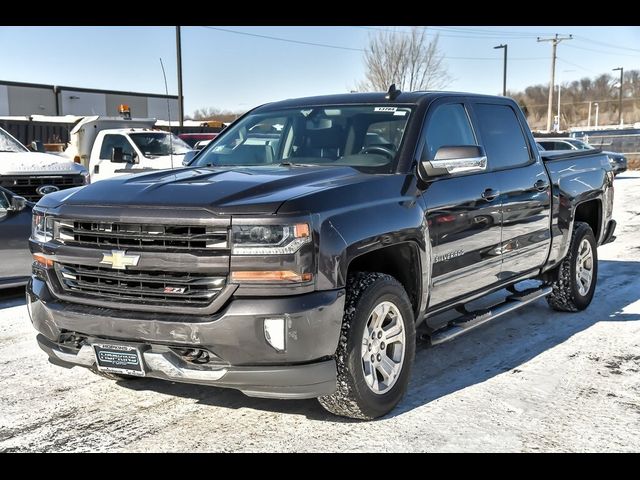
(408, 59)
(212, 113)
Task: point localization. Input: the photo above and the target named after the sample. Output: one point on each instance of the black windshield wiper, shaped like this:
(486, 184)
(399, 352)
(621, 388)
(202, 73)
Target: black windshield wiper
(287, 163)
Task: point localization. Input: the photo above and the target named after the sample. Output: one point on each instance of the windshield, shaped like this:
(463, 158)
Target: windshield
(359, 136)
(580, 145)
(10, 144)
(155, 144)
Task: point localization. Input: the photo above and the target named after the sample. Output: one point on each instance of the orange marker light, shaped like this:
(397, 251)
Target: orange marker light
(42, 260)
(301, 230)
(269, 276)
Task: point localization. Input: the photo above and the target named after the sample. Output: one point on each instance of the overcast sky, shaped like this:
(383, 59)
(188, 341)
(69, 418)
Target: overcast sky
(232, 70)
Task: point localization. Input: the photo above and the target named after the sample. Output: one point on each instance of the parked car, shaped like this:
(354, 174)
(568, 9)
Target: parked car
(297, 261)
(15, 229)
(34, 174)
(618, 161)
(192, 139)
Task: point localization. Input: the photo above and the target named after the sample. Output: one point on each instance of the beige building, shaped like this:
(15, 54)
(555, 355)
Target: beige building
(24, 99)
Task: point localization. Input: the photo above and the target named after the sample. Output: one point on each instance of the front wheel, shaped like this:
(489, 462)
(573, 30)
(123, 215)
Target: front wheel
(578, 273)
(376, 349)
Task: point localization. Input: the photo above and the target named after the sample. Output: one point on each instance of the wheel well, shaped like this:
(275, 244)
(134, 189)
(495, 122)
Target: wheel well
(401, 261)
(591, 213)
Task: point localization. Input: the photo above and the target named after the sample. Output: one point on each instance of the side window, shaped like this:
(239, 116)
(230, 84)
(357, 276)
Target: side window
(502, 136)
(448, 126)
(111, 141)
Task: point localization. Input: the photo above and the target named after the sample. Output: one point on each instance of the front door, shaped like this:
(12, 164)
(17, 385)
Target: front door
(103, 167)
(463, 212)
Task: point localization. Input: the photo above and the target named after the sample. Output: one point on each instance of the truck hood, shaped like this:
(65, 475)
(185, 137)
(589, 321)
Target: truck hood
(35, 163)
(254, 190)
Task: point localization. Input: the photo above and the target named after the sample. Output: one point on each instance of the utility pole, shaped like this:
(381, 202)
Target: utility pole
(589, 117)
(554, 43)
(597, 110)
(620, 96)
(504, 69)
(180, 97)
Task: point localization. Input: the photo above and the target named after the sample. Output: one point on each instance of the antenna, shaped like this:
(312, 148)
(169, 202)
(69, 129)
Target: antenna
(392, 93)
(166, 89)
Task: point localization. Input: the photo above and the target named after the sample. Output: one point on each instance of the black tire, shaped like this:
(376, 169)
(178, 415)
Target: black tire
(566, 296)
(353, 398)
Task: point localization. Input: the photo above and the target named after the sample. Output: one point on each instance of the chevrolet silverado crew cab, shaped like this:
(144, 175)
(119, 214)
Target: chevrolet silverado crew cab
(296, 254)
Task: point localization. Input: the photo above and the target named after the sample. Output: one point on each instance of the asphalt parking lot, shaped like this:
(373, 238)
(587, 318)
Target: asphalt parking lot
(534, 380)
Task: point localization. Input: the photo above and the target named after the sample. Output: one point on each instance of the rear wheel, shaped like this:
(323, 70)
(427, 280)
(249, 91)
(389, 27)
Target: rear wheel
(575, 285)
(376, 349)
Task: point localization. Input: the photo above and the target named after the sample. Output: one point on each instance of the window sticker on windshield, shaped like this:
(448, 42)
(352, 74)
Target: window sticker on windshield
(384, 109)
(399, 113)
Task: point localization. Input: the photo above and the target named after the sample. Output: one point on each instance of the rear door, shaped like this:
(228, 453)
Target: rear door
(463, 211)
(525, 191)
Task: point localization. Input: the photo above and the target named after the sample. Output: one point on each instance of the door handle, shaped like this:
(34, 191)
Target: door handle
(541, 185)
(490, 194)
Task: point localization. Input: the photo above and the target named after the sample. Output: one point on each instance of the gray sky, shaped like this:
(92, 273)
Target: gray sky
(226, 69)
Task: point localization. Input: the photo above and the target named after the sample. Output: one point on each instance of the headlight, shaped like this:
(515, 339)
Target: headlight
(41, 227)
(269, 239)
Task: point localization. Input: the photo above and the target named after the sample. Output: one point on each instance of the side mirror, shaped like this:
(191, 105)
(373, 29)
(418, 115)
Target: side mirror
(455, 160)
(186, 160)
(37, 146)
(118, 156)
(17, 204)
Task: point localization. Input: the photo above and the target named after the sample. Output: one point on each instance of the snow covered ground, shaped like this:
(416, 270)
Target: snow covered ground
(534, 380)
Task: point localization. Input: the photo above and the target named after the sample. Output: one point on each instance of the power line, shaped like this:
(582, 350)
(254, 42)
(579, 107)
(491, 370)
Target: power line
(301, 42)
(585, 39)
(269, 37)
(487, 32)
(438, 33)
(578, 66)
(603, 52)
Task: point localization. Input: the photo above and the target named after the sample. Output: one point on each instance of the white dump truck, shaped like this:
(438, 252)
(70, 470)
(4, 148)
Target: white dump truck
(109, 146)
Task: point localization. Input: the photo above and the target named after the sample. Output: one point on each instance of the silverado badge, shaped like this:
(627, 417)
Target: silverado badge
(119, 260)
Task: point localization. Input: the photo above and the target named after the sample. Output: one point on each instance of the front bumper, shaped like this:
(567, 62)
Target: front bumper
(243, 359)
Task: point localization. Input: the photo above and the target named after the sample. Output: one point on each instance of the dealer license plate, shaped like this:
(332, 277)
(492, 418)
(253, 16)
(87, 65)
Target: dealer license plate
(116, 358)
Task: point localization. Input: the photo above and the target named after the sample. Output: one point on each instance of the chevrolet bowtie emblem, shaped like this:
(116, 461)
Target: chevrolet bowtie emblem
(119, 260)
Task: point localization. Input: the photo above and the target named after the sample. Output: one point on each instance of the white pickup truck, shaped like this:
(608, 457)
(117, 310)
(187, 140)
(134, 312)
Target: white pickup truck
(33, 174)
(107, 149)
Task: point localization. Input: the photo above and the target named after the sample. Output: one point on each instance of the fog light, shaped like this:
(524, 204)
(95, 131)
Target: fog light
(274, 332)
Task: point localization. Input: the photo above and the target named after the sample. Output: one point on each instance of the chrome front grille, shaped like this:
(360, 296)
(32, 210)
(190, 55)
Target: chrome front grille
(142, 237)
(148, 287)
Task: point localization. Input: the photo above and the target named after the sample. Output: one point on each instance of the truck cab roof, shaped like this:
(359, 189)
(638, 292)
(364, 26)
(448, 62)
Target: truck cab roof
(408, 98)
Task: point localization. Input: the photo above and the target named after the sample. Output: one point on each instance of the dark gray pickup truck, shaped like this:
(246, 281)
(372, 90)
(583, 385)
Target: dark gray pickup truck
(297, 254)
